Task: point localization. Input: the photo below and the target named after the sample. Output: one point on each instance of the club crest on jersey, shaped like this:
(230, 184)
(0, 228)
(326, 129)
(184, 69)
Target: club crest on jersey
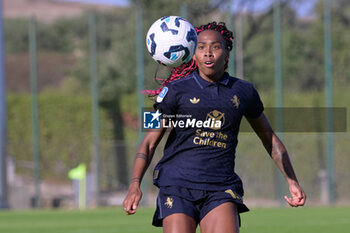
(194, 100)
(217, 117)
(162, 94)
(169, 202)
(235, 101)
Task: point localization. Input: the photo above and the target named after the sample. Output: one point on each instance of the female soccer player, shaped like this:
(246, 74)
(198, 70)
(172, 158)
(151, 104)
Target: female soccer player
(196, 178)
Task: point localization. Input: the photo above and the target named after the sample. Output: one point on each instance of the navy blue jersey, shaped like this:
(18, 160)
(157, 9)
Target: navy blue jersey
(200, 149)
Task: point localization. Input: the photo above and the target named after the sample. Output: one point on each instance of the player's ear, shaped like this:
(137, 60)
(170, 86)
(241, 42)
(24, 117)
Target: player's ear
(227, 56)
(194, 57)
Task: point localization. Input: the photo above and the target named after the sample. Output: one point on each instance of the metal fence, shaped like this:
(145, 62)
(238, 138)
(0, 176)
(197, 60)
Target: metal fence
(38, 163)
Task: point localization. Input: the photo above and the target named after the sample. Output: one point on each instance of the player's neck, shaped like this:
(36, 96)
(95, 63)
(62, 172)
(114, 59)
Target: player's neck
(212, 78)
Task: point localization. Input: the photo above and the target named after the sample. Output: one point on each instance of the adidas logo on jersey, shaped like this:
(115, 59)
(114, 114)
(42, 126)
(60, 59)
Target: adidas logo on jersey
(194, 100)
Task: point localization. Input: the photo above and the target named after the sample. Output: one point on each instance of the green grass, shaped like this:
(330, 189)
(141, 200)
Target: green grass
(283, 220)
(300, 220)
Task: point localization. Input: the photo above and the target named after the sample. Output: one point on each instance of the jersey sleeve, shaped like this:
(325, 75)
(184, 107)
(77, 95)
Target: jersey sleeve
(255, 106)
(166, 101)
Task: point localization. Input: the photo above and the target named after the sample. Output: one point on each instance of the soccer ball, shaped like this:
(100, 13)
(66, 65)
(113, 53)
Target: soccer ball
(171, 41)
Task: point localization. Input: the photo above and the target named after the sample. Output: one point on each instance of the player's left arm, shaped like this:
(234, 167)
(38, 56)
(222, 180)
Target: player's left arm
(279, 154)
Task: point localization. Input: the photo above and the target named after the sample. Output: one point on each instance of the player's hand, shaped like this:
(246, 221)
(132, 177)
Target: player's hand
(298, 196)
(132, 199)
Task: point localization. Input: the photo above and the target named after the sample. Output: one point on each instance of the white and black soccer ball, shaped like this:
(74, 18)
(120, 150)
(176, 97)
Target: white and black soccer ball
(171, 41)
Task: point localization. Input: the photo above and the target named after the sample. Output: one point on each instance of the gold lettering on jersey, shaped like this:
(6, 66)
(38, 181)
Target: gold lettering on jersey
(235, 101)
(208, 142)
(169, 202)
(194, 100)
(216, 116)
(210, 138)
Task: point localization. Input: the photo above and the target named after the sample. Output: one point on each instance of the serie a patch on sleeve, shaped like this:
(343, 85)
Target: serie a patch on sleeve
(162, 94)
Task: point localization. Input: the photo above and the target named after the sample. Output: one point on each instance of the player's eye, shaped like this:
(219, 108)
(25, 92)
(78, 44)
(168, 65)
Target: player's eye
(217, 46)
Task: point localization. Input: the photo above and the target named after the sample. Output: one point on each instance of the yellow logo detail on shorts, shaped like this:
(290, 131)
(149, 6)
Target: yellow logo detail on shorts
(233, 194)
(169, 202)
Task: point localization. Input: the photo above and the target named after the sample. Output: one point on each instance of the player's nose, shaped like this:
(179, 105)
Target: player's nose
(208, 52)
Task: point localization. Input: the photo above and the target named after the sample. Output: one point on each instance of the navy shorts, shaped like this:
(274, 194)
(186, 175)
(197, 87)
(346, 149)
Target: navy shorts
(194, 203)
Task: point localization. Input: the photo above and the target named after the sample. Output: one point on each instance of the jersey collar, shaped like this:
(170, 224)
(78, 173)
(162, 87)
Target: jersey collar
(204, 83)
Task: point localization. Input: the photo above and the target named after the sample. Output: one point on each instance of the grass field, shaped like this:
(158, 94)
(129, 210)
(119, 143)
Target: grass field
(281, 220)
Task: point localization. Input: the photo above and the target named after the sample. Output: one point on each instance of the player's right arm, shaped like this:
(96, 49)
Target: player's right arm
(143, 158)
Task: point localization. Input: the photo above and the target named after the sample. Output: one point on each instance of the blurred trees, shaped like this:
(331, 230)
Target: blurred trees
(65, 132)
(303, 55)
(16, 35)
(302, 41)
(341, 41)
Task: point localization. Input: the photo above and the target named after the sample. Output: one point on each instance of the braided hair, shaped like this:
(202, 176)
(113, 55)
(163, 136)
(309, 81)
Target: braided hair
(188, 68)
